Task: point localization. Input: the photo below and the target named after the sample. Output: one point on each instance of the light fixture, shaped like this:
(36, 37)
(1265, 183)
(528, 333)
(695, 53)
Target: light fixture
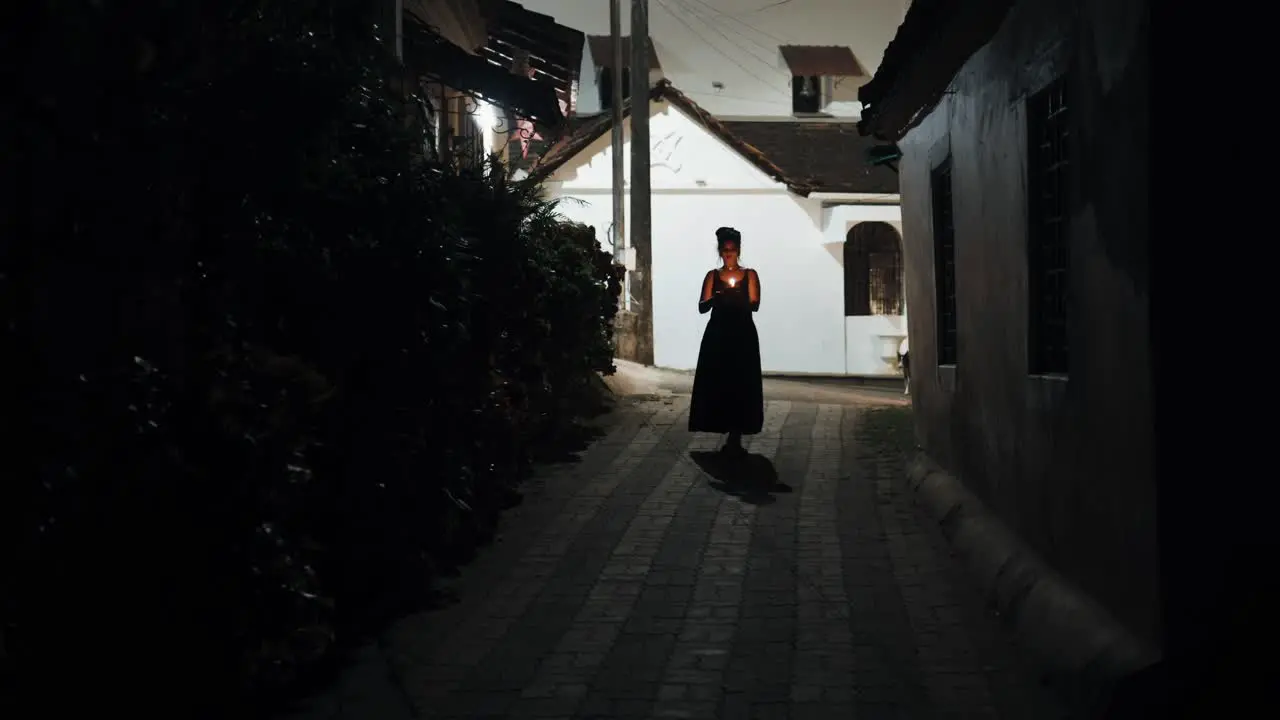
(486, 119)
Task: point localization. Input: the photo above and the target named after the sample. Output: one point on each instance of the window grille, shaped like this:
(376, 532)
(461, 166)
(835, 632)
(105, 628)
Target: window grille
(873, 270)
(944, 258)
(1048, 165)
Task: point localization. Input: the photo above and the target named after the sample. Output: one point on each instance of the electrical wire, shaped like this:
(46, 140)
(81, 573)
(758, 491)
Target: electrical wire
(771, 5)
(768, 63)
(746, 25)
(712, 22)
(720, 52)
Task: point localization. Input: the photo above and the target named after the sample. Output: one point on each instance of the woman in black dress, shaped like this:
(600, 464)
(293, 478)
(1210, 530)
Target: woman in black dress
(728, 393)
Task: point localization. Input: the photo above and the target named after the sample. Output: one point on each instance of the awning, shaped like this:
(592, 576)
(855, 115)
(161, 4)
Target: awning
(429, 55)
(824, 60)
(601, 47)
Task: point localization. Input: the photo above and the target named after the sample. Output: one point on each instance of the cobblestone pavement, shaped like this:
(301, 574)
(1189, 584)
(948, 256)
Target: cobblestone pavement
(637, 583)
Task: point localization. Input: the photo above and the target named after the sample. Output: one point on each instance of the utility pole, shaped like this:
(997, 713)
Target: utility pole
(615, 111)
(641, 222)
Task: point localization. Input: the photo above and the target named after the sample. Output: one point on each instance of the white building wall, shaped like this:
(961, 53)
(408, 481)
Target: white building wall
(700, 184)
(588, 84)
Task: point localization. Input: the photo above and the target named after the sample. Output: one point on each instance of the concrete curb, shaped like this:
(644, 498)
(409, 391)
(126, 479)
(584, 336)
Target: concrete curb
(886, 382)
(1082, 650)
(631, 379)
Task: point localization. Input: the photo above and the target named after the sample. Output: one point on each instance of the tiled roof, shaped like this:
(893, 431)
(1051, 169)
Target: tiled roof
(823, 156)
(582, 132)
(805, 156)
(935, 40)
(591, 129)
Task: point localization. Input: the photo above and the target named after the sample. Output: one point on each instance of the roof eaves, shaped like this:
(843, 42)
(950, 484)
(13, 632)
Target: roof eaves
(564, 150)
(934, 41)
(717, 128)
(567, 147)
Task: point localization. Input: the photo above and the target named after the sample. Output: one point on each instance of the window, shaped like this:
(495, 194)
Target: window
(601, 49)
(872, 270)
(884, 274)
(944, 262)
(807, 94)
(606, 86)
(466, 142)
(432, 107)
(1048, 256)
(816, 70)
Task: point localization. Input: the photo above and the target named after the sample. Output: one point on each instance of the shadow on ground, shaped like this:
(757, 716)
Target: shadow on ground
(744, 475)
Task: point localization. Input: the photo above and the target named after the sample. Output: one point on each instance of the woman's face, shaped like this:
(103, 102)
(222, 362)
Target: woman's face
(729, 253)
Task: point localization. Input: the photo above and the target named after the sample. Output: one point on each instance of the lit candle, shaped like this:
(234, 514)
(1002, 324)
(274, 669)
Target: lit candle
(733, 282)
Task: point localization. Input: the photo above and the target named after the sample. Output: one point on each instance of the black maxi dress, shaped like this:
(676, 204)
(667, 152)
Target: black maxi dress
(728, 392)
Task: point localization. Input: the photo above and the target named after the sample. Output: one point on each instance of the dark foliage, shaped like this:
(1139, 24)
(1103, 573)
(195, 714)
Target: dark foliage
(266, 372)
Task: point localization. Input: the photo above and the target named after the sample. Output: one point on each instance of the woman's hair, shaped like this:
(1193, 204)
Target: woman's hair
(726, 235)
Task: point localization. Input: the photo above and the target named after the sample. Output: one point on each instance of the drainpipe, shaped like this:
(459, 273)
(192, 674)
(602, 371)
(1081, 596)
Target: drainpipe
(616, 146)
(641, 225)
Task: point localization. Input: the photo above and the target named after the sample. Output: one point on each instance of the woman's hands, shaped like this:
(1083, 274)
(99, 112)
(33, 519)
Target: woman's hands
(745, 289)
(709, 294)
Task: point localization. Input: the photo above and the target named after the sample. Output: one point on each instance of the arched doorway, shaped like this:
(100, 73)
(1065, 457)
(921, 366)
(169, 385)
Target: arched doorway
(873, 271)
(874, 300)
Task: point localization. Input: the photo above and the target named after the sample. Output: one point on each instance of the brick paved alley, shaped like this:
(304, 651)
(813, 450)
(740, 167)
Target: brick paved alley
(638, 584)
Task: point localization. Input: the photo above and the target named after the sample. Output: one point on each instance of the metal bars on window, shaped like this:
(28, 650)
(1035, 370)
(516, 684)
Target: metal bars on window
(1048, 255)
(944, 258)
(455, 124)
(884, 275)
(466, 142)
(873, 270)
(806, 94)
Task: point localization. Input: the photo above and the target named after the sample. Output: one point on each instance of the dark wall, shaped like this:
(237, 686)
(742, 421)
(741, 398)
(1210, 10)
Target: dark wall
(1067, 463)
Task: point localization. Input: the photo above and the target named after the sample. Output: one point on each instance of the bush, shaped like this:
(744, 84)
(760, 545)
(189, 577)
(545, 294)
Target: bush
(273, 373)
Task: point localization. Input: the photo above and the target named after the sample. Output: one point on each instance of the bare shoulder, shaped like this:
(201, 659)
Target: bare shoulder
(752, 272)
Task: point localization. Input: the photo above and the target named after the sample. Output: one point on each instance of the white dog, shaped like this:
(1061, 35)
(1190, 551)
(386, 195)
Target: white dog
(904, 360)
